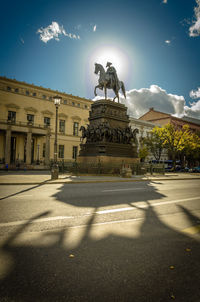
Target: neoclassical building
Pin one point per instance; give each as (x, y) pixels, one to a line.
(27, 124)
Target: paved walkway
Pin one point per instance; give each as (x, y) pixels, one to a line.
(37, 177)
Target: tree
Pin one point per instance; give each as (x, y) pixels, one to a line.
(191, 151)
(143, 152)
(178, 141)
(154, 143)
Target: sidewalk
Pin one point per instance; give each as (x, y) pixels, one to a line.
(41, 177)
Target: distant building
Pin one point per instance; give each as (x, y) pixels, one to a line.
(161, 119)
(27, 124)
(145, 127)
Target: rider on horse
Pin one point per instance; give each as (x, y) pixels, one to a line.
(111, 72)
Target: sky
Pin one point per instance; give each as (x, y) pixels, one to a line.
(153, 44)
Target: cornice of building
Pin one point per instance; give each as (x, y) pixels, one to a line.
(42, 89)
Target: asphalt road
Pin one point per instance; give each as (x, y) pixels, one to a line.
(136, 241)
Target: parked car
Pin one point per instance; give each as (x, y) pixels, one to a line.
(196, 169)
(185, 169)
(169, 169)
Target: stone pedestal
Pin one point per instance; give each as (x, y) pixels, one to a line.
(108, 137)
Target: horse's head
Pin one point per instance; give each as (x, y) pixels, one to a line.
(96, 68)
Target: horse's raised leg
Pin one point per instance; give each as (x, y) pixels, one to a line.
(95, 88)
(116, 95)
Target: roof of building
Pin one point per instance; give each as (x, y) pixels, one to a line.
(165, 115)
(191, 120)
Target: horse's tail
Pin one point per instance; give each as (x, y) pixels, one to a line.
(123, 89)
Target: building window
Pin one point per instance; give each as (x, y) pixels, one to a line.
(62, 126)
(75, 129)
(73, 104)
(44, 96)
(74, 152)
(12, 116)
(34, 93)
(30, 118)
(16, 89)
(79, 105)
(8, 88)
(61, 151)
(27, 92)
(47, 121)
(65, 102)
(86, 107)
(43, 149)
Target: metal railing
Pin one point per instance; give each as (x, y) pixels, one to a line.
(19, 123)
(114, 169)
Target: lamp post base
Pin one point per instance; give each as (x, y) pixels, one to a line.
(54, 172)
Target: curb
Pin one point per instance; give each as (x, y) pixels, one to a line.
(94, 181)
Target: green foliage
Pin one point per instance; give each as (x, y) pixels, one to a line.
(178, 141)
(143, 152)
(154, 143)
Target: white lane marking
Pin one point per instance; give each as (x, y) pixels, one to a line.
(13, 223)
(144, 206)
(103, 223)
(23, 196)
(128, 189)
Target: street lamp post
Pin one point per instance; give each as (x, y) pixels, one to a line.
(55, 168)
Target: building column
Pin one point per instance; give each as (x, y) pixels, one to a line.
(7, 147)
(28, 148)
(47, 150)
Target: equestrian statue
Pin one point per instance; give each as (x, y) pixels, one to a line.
(109, 80)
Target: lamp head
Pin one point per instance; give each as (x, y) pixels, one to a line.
(57, 100)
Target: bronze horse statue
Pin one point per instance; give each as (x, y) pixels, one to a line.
(105, 82)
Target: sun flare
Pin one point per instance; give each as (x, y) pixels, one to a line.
(116, 56)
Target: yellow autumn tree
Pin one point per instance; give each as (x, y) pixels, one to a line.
(178, 140)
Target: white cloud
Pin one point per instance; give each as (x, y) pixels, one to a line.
(53, 31)
(194, 30)
(139, 101)
(195, 94)
(95, 28)
(165, 1)
(167, 41)
(194, 110)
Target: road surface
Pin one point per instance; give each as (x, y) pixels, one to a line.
(123, 241)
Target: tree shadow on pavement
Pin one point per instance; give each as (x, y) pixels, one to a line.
(25, 190)
(152, 266)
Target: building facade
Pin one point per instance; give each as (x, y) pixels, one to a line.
(162, 119)
(27, 124)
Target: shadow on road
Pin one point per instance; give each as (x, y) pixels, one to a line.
(103, 196)
(112, 268)
(25, 190)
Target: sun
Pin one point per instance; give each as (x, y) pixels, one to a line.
(109, 53)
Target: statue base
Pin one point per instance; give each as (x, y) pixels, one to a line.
(108, 138)
(107, 160)
(109, 149)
